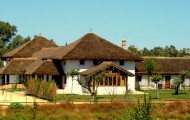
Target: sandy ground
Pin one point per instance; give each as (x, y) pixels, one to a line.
(7, 97)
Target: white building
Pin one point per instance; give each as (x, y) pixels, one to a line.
(84, 54)
(168, 67)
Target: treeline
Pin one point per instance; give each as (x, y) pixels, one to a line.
(167, 51)
(9, 40)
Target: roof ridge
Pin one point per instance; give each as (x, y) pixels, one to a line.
(29, 58)
(156, 57)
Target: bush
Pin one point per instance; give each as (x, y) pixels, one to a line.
(16, 105)
(42, 89)
(140, 112)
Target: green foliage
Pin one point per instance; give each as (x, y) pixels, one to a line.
(188, 116)
(161, 104)
(7, 31)
(150, 65)
(140, 112)
(1, 63)
(73, 72)
(16, 105)
(156, 78)
(180, 80)
(42, 89)
(134, 49)
(167, 51)
(17, 41)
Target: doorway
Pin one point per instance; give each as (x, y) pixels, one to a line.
(167, 82)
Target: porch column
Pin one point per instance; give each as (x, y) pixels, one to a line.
(45, 78)
(5, 79)
(36, 77)
(49, 77)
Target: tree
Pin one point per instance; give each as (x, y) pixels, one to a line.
(150, 68)
(145, 52)
(134, 49)
(156, 79)
(180, 80)
(7, 31)
(17, 41)
(92, 82)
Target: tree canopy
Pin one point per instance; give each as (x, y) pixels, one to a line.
(7, 31)
(167, 51)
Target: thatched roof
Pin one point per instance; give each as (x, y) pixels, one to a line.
(103, 66)
(30, 66)
(29, 48)
(91, 47)
(43, 52)
(39, 67)
(17, 66)
(166, 65)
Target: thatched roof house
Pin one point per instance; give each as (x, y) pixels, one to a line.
(166, 65)
(17, 66)
(103, 66)
(29, 66)
(29, 48)
(92, 47)
(39, 67)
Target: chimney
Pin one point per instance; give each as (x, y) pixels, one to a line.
(124, 46)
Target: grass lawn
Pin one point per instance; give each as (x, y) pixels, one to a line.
(169, 94)
(164, 95)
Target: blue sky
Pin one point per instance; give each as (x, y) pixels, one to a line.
(144, 23)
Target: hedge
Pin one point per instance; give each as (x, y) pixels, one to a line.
(42, 89)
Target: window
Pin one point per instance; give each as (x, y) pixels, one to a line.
(101, 82)
(114, 81)
(106, 81)
(110, 81)
(97, 62)
(121, 62)
(118, 81)
(139, 78)
(82, 62)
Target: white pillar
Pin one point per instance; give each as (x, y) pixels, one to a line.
(36, 77)
(45, 78)
(49, 77)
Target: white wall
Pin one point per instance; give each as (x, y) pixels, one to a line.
(75, 64)
(144, 82)
(77, 89)
(13, 78)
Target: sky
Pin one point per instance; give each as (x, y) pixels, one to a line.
(143, 23)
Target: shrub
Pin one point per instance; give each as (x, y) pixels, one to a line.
(140, 112)
(42, 89)
(16, 105)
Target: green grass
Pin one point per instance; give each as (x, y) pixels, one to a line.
(164, 95)
(88, 98)
(169, 94)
